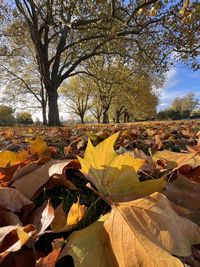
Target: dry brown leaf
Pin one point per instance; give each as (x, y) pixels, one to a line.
(14, 200)
(12, 238)
(42, 217)
(184, 194)
(60, 179)
(146, 232)
(25, 257)
(8, 218)
(192, 174)
(30, 183)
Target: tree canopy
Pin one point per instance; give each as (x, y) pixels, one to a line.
(65, 34)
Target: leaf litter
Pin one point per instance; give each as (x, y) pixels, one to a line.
(145, 179)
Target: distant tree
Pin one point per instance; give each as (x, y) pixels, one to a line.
(169, 113)
(195, 114)
(24, 118)
(185, 105)
(6, 116)
(78, 93)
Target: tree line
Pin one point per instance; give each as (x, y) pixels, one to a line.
(8, 118)
(44, 44)
(182, 108)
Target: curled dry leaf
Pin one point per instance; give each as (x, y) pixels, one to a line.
(13, 200)
(42, 217)
(12, 238)
(64, 222)
(89, 247)
(146, 232)
(8, 218)
(116, 175)
(31, 182)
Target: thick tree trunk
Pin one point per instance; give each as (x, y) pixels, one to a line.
(53, 115)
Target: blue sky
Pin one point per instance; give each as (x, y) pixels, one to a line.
(180, 81)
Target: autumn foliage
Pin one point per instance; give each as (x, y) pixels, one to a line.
(106, 200)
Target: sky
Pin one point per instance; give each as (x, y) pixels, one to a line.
(180, 81)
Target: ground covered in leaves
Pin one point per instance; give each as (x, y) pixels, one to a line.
(100, 195)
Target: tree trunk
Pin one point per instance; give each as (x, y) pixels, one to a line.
(99, 119)
(44, 103)
(105, 117)
(44, 115)
(82, 119)
(53, 115)
(117, 116)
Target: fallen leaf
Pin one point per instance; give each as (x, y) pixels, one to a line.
(25, 257)
(39, 146)
(116, 175)
(64, 222)
(42, 217)
(183, 192)
(180, 159)
(11, 158)
(147, 232)
(13, 200)
(89, 247)
(12, 238)
(8, 218)
(50, 259)
(31, 182)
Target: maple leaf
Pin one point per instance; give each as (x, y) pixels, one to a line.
(147, 232)
(116, 175)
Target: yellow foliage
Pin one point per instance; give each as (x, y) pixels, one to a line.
(116, 175)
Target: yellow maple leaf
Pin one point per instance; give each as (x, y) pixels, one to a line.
(116, 175)
(39, 146)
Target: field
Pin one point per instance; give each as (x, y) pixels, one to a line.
(107, 207)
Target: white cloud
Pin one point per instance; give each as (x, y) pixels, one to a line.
(163, 104)
(171, 78)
